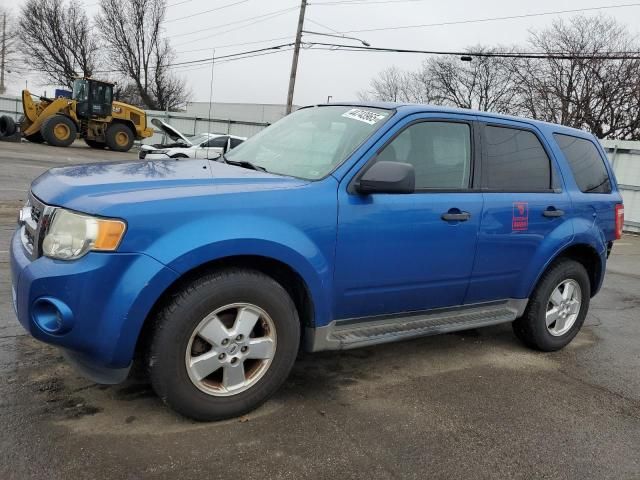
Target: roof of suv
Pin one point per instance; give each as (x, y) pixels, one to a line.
(409, 108)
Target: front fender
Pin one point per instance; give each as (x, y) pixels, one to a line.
(199, 242)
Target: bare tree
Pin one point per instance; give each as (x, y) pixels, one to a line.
(132, 31)
(58, 40)
(484, 83)
(588, 91)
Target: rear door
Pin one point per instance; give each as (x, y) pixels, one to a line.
(409, 252)
(524, 202)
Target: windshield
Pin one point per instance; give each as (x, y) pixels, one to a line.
(311, 142)
(80, 90)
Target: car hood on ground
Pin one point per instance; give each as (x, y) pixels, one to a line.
(92, 187)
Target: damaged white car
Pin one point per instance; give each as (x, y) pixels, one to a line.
(203, 145)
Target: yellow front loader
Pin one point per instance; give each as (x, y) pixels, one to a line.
(90, 114)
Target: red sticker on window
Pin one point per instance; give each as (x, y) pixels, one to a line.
(520, 219)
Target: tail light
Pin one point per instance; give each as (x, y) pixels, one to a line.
(619, 220)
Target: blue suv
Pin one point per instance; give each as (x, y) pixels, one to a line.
(339, 226)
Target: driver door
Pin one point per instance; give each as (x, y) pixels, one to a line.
(403, 252)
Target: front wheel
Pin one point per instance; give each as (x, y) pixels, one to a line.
(557, 307)
(224, 344)
(119, 137)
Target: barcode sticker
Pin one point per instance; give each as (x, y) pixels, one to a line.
(365, 116)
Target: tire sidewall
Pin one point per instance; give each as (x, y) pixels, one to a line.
(49, 125)
(167, 363)
(564, 271)
(112, 131)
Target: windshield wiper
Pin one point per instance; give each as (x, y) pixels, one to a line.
(243, 164)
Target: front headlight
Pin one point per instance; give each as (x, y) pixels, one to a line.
(71, 235)
(159, 151)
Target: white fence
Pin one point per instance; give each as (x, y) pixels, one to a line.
(187, 124)
(625, 159)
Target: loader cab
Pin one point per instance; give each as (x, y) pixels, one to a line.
(93, 98)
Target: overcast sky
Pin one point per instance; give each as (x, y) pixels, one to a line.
(264, 79)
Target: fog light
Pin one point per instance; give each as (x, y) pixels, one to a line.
(52, 316)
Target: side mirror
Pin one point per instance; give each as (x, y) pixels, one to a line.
(388, 177)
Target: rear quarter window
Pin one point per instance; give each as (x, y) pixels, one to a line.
(586, 163)
(515, 160)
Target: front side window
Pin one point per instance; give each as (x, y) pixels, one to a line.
(440, 153)
(586, 164)
(311, 142)
(515, 161)
(80, 92)
(218, 142)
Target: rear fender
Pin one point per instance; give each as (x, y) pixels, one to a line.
(583, 232)
(553, 243)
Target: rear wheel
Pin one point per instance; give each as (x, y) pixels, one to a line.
(557, 308)
(224, 344)
(119, 137)
(95, 143)
(59, 131)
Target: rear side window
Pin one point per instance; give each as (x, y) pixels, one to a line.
(515, 161)
(586, 163)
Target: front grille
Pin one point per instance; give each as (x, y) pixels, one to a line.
(34, 226)
(36, 213)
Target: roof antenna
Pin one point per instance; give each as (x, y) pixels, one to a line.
(213, 55)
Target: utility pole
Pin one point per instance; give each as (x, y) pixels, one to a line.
(296, 53)
(3, 52)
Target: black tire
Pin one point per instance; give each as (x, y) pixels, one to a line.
(59, 131)
(119, 137)
(177, 321)
(179, 155)
(531, 328)
(95, 144)
(7, 126)
(35, 138)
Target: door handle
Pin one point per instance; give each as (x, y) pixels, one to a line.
(553, 212)
(456, 217)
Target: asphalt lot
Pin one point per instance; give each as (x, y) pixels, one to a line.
(476, 404)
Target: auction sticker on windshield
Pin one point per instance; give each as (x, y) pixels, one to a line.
(365, 116)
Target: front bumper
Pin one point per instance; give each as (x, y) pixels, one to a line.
(109, 295)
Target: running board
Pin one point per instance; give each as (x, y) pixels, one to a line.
(361, 332)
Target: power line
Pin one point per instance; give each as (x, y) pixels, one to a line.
(211, 27)
(492, 19)
(529, 55)
(234, 44)
(218, 62)
(206, 11)
(178, 3)
(234, 29)
(358, 2)
(322, 25)
(202, 61)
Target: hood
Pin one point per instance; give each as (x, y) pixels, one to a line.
(93, 187)
(171, 132)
